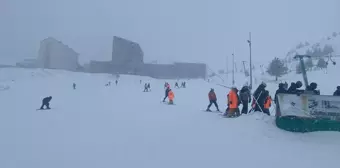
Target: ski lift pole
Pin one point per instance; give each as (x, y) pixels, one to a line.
(303, 69)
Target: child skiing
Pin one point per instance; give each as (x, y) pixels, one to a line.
(212, 99)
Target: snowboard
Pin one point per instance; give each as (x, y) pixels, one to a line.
(43, 109)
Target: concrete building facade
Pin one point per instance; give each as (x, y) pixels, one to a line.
(53, 54)
(128, 58)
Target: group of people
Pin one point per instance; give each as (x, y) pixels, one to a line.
(182, 85)
(147, 87)
(261, 100)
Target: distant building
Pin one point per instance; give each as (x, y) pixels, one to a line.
(53, 54)
(127, 56)
(27, 63)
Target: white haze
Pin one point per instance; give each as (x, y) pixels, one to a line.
(176, 30)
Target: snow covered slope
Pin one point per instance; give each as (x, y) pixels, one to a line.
(121, 126)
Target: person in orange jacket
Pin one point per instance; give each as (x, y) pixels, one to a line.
(171, 96)
(233, 103)
(212, 100)
(267, 103)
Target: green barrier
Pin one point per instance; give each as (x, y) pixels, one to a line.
(305, 124)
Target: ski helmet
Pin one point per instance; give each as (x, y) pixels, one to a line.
(298, 84)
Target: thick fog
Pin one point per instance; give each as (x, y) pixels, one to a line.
(167, 30)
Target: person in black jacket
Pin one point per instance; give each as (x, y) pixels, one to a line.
(292, 88)
(46, 102)
(245, 97)
(278, 91)
(311, 89)
(337, 92)
(166, 93)
(258, 97)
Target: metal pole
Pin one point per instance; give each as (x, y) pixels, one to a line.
(233, 70)
(250, 63)
(227, 67)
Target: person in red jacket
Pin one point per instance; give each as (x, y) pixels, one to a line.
(212, 99)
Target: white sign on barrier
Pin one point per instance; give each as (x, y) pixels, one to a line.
(314, 106)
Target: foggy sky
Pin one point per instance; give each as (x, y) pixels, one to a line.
(167, 30)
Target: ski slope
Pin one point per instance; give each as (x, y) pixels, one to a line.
(121, 126)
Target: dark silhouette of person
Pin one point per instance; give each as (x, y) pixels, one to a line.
(46, 102)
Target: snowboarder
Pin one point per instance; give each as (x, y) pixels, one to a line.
(46, 102)
(166, 92)
(233, 103)
(171, 96)
(176, 85)
(267, 103)
(258, 97)
(245, 97)
(74, 86)
(337, 92)
(212, 99)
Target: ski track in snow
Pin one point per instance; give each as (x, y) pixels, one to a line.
(121, 126)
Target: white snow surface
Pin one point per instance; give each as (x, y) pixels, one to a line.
(120, 126)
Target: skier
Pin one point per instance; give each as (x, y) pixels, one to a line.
(46, 102)
(337, 92)
(176, 85)
(258, 97)
(166, 92)
(171, 96)
(212, 99)
(298, 85)
(145, 87)
(74, 86)
(149, 87)
(278, 91)
(233, 103)
(116, 82)
(311, 89)
(267, 103)
(245, 97)
(184, 83)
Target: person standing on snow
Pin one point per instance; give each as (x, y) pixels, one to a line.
(212, 99)
(171, 96)
(258, 97)
(74, 86)
(116, 82)
(149, 87)
(176, 85)
(233, 103)
(145, 87)
(267, 103)
(166, 93)
(337, 92)
(245, 97)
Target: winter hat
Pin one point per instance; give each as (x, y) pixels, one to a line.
(298, 84)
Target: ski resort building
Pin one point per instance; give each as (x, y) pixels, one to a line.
(53, 54)
(128, 58)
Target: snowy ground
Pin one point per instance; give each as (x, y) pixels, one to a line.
(121, 126)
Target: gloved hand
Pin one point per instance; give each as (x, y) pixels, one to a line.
(230, 102)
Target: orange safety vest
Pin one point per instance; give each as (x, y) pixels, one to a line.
(171, 95)
(232, 100)
(268, 102)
